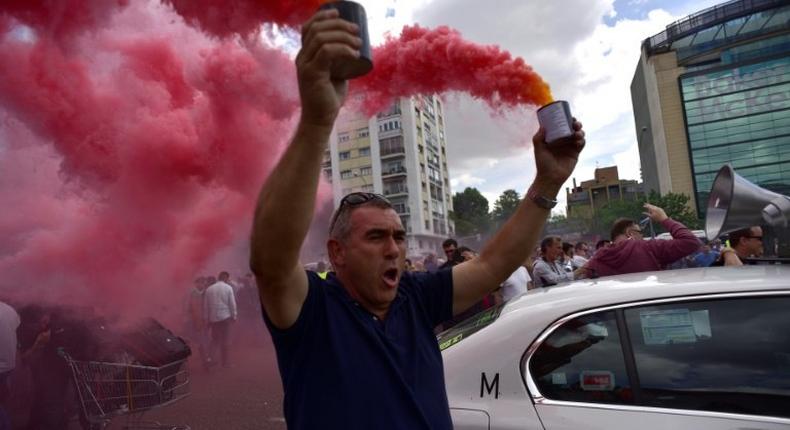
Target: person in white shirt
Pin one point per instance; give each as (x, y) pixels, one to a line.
(548, 270)
(517, 283)
(9, 321)
(219, 303)
(581, 254)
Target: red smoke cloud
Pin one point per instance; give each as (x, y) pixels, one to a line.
(61, 19)
(223, 18)
(131, 158)
(424, 61)
(132, 146)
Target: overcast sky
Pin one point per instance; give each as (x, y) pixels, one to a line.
(587, 50)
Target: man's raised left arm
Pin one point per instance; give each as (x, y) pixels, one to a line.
(513, 242)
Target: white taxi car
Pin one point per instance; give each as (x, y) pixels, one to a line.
(684, 349)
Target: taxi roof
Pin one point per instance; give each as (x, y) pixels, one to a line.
(524, 317)
(612, 290)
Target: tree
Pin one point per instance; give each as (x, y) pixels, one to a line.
(674, 204)
(606, 216)
(470, 212)
(505, 206)
(676, 207)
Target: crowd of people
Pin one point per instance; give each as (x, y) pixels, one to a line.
(555, 261)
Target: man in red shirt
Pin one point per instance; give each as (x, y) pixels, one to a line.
(630, 253)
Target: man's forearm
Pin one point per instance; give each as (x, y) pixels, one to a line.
(286, 203)
(516, 239)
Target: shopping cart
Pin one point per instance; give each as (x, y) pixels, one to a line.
(108, 390)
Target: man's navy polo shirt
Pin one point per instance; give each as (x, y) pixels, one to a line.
(343, 368)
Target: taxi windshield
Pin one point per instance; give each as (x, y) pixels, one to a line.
(468, 327)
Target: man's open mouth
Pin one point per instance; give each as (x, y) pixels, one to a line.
(391, 277)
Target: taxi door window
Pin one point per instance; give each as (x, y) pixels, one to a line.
(583, 361)
(727, 355)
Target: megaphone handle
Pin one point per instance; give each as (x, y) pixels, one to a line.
(777, 212)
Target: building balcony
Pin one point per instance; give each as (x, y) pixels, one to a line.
(392, 111)
(396, 171)
(392, 152)
(390, 133)
(396, 191)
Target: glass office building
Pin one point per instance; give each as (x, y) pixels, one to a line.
(716, 86)
(739, 112)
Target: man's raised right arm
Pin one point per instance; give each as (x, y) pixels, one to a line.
(286, 202)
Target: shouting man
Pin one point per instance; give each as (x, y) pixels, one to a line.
(357, 350)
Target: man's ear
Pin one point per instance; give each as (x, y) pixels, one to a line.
(337, 254)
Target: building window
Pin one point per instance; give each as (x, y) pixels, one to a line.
(396, 187)
(392, 168)
(390, 125)
(343, 137)
(363, 132)
(346, 174)
(434, 174)
(400, 208)
(366, 171)
(344, 155)
(405, 223)
(364, 152)
(391, 145)
(428, 225)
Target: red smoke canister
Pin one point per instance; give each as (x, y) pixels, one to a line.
(353, 12)
(556, 119)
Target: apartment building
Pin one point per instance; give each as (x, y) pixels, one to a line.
(400, 153)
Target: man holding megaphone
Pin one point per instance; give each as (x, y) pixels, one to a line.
(744, 244)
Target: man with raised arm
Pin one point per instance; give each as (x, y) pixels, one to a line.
(357, 350)
(630, 253)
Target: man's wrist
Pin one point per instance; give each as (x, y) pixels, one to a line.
(545, 188)
(312, 126)
(541, 200)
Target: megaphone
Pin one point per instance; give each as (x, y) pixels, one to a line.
(736, 203)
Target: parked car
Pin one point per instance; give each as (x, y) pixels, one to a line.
(686, 349)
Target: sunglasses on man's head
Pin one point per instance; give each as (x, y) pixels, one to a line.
(356, 199)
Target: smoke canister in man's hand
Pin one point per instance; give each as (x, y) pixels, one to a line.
(349, 69)
(556, 120)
